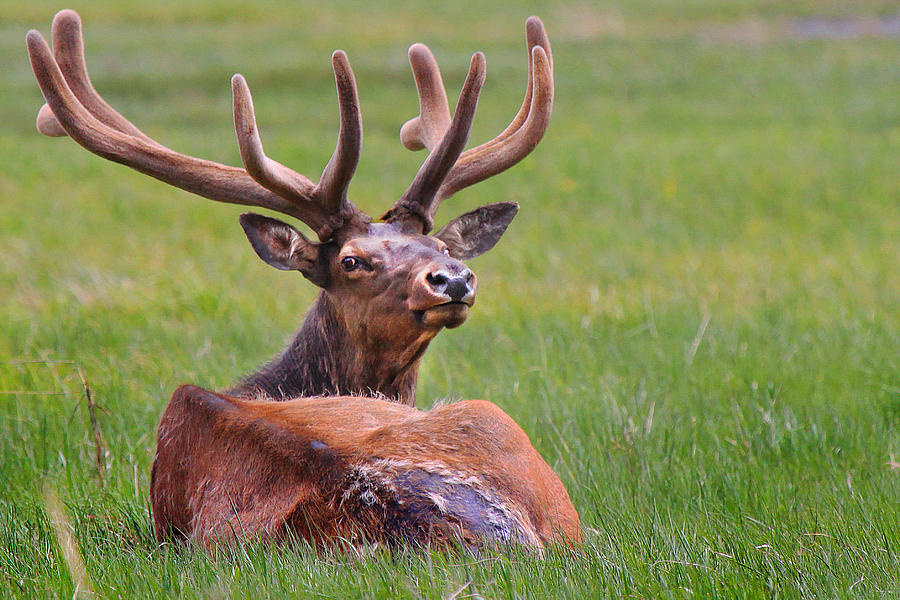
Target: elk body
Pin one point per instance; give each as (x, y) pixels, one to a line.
(358, 469)
(358, 460)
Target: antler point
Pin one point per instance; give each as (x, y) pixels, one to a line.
(419, 51)
(48, 124)
(67, 13)
(33, 36)
(411, 133)
(479, 65)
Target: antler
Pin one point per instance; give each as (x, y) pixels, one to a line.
(428, 130)
(74, 108)
(423, 190)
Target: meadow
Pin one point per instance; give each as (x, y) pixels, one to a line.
(695, 315)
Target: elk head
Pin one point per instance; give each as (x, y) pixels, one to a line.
(390, 285)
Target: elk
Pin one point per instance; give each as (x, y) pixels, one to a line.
(324, 441)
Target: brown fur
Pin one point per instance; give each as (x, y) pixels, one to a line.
(360, 469)
(350, 467)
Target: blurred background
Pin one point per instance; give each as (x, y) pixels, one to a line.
(695, 315)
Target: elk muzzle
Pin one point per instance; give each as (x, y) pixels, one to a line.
(441, 295)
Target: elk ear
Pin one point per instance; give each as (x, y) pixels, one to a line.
(474, 233)
(280, 245)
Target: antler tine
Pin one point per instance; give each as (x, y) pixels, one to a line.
(492, 157)
(74, 108)
(426, 130)
(207, 178)
(527, 127)
(340, 168)
(433, 100)
(419, 198)
(68, 50)
(269, 173)
(535, 35)
(329, 196)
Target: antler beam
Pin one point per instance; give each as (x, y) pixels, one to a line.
(74, 108)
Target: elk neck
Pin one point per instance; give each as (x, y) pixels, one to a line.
(328, 357)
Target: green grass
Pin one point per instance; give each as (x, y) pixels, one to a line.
(695, 317)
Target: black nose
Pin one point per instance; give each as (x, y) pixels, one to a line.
(455, 285)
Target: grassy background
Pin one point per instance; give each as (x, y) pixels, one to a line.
(695, 317)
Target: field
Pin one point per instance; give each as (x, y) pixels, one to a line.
(695, 316)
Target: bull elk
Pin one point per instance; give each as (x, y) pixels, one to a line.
(324, 441)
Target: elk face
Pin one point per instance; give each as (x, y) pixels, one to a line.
(388, 285)
(406, 279)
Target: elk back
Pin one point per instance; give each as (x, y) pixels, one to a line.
(361, 469)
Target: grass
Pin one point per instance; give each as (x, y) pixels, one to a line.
(695, 317)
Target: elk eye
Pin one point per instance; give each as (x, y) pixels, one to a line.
(350, 263)
(446, 250)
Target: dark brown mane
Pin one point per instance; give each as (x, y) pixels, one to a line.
(320, 362)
